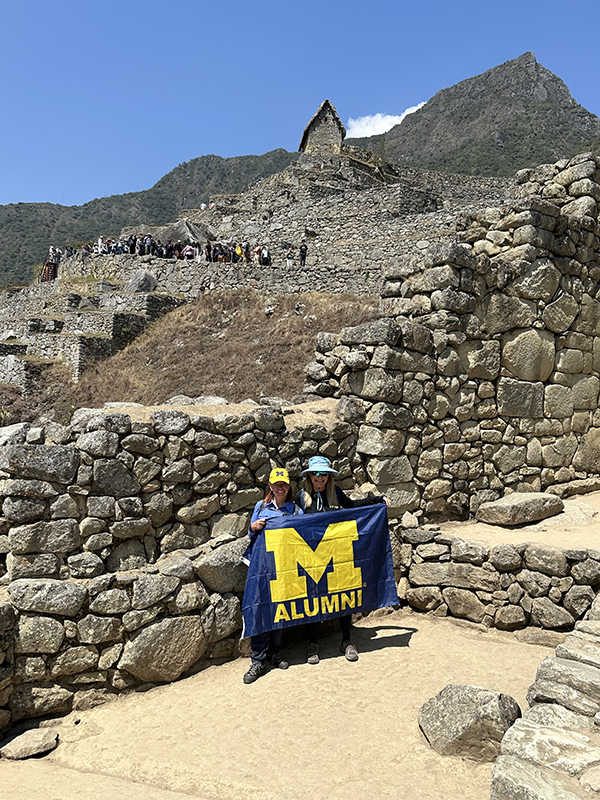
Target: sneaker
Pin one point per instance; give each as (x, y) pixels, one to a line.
(257, 668)
(279, 661)
(312, 656)
(349, 650)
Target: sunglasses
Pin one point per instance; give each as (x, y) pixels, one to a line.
(319, 474)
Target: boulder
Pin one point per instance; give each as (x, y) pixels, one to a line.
(519, 507)
(141, 281)
(468, 721)
(35, 742)
(165, 649)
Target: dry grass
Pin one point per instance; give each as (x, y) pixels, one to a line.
(226, 343)
(12, 405)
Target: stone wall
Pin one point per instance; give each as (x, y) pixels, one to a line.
(484, 372)
(122, 537)
(122, 542)
(352, 228)
(503, 586)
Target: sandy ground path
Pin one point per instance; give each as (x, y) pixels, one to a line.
(326, 732)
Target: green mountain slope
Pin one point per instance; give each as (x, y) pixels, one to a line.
(515, 115)
(28, 229)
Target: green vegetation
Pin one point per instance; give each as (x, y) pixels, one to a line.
(28, 229)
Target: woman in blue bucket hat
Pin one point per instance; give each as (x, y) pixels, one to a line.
(321, 494)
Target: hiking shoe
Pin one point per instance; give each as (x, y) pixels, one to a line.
(279, 661)
(349, 650)
(312, 655)
(257, 668)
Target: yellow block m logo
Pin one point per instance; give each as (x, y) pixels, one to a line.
(291, 551)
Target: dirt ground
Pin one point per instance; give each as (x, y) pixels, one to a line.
(325, 732)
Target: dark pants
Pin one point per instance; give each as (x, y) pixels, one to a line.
(265, 645)
(345, 622)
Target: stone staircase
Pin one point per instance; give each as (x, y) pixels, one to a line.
(553, 752)
(73, 321)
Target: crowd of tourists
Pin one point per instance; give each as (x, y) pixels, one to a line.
(146, 245)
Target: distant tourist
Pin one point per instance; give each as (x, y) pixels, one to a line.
(303, 250)
(289, 259)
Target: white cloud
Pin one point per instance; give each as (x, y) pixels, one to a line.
(377, 123)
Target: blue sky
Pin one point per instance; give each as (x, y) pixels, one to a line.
(102, 97)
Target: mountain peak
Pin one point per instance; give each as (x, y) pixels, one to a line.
(517, 114)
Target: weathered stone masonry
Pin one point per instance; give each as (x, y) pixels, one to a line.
(487, 359)
(123, 538)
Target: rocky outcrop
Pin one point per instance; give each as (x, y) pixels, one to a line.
(468, 721)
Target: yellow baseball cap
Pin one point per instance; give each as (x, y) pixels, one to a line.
(279, 474)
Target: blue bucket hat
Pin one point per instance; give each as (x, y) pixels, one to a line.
(319, 464)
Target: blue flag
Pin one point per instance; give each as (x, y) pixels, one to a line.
(313, 567)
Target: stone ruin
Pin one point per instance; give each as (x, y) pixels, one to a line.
(483, 374)
(122, 535)
(324, 133)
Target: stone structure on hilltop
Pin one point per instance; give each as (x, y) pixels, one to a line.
(324, 133)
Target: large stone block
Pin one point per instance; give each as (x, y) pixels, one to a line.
(558, 401)
(150, 589)
(559, 315)
(480, 359)
(390, 470)
(587, 456)
(546, 559)
(48, 596)
(462, 576)
(45, 462)
(99, 443)
(502, 313)
(468, 721)
(165, 649)
(377, 384)
(539, 281)
(519, 507)
(463, 603)
(59, 536)
(529, 354)
(377, 442)
(520, 398)
(28, 701)
(381, 331)
(38, 635)
(518, 779)
(585, 391)
(222, 570)
(588, 321)
(547, 614)
(111, 477)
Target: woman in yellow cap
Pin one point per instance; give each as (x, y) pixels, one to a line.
(278, 501)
